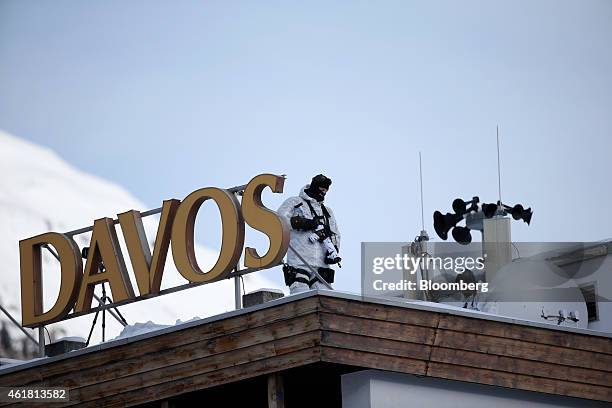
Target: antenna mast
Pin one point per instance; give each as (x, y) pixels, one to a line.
(498, 168)
(421, 184)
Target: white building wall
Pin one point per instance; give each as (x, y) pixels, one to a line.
(598, 271)
(383, 389)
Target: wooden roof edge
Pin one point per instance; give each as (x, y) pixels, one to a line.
(404, 303)
(455, 311)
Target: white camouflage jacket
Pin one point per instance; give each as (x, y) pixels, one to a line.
(313, 253)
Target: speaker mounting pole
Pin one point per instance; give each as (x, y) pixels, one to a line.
(498, 167)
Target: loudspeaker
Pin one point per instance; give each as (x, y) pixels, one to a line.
(460, 207)
(519, 213)
(489, 210)
(443, 223)
(462, 235)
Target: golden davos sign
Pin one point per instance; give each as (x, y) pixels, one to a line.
(176, 228)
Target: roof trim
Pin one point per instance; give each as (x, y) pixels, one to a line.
(405, 303)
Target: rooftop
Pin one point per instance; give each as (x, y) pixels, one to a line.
(345, 332)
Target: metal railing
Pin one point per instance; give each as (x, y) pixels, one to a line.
(16, 323)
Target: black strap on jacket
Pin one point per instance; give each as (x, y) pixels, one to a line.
(325, 217)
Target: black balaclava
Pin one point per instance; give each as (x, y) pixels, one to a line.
(318, 181)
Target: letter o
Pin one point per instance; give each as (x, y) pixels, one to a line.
(182, 239)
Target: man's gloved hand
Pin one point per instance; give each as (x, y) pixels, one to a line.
(303, 223)
(317, 236)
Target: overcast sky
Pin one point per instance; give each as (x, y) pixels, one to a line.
(167, 97)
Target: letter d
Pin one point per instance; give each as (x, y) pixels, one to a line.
(31, 278)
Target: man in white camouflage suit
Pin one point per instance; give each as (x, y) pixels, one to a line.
(314, 235)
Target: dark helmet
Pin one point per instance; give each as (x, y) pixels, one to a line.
(317, 182)
(320, 181)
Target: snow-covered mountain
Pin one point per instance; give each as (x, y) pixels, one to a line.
(39, 192)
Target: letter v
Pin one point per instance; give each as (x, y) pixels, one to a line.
(148, 270)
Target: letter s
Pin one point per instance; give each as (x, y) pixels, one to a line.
(262, 219)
